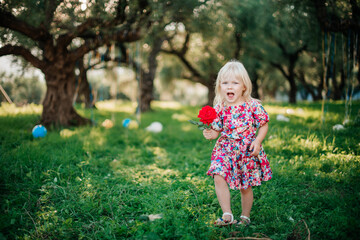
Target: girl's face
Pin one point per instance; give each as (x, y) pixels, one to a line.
(232, 90)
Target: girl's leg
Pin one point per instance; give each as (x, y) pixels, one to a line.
(247, 199)
(223, 195)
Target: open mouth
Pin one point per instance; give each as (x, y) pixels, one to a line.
(230, 94)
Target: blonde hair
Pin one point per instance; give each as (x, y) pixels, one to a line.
(235, 69)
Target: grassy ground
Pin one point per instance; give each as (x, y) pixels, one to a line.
(97, 183)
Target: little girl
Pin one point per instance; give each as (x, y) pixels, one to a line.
(238, 158)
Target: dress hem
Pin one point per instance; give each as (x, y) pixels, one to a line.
(238, 188)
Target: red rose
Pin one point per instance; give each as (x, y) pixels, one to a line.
(207, 115)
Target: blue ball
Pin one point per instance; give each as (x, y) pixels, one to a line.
(126, 122)
(39, 131)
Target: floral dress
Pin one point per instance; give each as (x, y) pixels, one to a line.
(231, 155)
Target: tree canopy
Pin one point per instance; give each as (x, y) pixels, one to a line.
(54, 35)
(303, 47)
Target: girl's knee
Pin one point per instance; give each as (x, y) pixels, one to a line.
(218, 179)
(245, 191)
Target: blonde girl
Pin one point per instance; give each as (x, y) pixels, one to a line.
(238, 160)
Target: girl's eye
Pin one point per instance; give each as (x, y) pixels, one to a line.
(224, 83)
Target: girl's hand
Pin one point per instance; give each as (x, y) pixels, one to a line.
(255, 148)
(210, 134)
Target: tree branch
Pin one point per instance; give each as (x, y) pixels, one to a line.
(8, 20)
(196, 76)
(185, 45)
(303, 48)
(92, 44)
(307, 86)
(127, 32)
(281, 68)
(291, 56)
(66, 39)
(83, 29)
(23, 52)
(50, 8)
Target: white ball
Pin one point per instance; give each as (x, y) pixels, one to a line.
(338, 127)
(155, 127)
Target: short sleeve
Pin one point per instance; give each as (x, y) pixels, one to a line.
(260, 115)
(217, 124)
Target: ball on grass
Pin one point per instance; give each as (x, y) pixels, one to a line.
(133, 124)
(126, 122)
(39, 131)
(155, 127)
(107, 123)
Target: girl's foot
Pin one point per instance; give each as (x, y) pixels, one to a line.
(244, 221)
(224, 221)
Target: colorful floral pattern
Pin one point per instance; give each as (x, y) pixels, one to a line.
(231, 155)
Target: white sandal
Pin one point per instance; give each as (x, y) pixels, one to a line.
(244, 221)
(221, 222)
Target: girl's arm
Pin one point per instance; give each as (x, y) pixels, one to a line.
(255, 145)
(210, 134)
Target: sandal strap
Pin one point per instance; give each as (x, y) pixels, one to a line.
(247, 219)
(229, 214)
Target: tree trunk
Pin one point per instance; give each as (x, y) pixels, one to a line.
(293, 90)
(337, 90)
(255, 86)
(58, 61)
(146, 92)
(58, 103)
(83, 90)
(290, 73)
(211, 95)
(211, 89)
(310, 88)
(147, 80)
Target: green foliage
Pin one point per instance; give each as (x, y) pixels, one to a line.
(170, 70)
(97, 183)
(23, 90)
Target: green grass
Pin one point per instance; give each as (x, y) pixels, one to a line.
(97, 183)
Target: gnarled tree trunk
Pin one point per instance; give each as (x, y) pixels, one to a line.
(57, 53)
(146, 92)
(58, 105)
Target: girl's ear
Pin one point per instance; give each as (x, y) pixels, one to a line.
(243, 91)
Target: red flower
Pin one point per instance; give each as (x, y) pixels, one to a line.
(207, 115)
